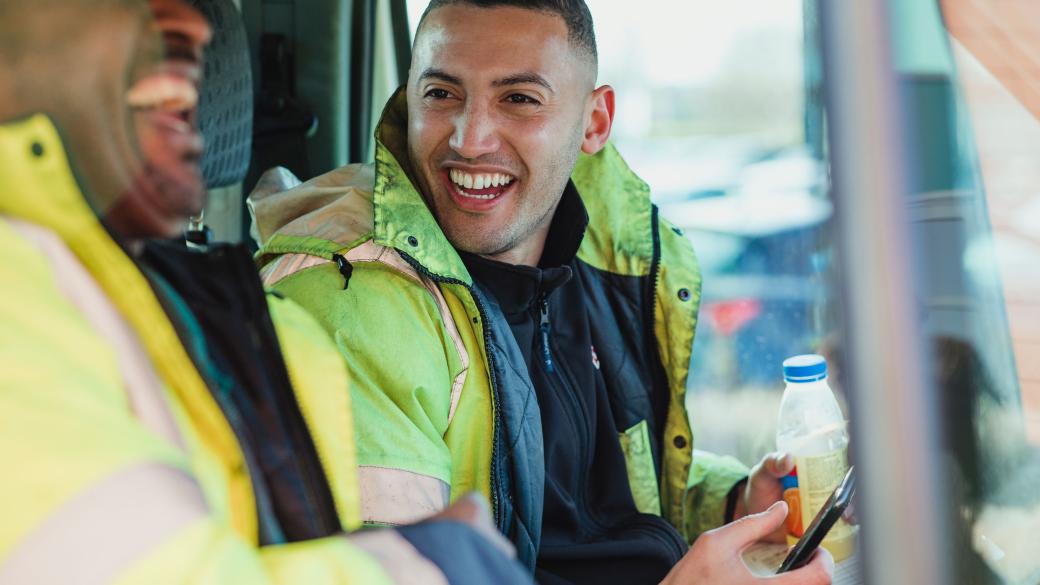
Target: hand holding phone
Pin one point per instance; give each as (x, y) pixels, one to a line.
(719, 556)
(830, 513)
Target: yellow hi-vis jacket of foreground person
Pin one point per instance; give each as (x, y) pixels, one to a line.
(120, 465)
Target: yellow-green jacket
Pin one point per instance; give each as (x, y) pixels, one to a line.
(444, 406)
(120, 465)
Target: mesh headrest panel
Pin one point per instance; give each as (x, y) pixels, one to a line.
(226, 100)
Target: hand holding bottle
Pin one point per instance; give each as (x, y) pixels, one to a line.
(764, 488)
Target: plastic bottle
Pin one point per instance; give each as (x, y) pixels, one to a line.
(811, 428)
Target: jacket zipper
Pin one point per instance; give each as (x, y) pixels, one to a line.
(658, 376)
(565, 385)
(655, 276)
(546, 329)
(496, 484)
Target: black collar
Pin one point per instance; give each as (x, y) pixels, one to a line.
(566, 230)
(518, 287)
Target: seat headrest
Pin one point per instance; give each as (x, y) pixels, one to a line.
(226, 97)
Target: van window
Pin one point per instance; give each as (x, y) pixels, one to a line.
(992, 366)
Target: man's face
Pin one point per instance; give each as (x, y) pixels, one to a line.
(498, 105)
(168, 187)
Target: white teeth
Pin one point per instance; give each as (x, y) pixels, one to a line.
(165, 92)
(482, 181)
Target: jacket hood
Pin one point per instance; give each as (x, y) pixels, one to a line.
(346, 207)
(320, 217)
(350, 205)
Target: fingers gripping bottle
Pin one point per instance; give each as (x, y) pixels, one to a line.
(811, 428)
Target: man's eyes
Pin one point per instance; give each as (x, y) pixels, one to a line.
(438, 94)
(521, 99)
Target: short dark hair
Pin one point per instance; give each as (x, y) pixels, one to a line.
(575, 13)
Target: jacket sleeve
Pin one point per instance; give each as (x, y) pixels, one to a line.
(402, 365)
(319, 381)
(711, 479)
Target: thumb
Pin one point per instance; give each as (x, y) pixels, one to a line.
(778, 464)
(753, 528)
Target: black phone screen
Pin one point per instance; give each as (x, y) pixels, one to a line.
(821, 524)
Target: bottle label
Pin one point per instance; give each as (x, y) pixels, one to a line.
(817, 478)
(794, 504)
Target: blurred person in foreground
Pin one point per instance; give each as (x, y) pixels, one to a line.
(511, 305)
(142, 454)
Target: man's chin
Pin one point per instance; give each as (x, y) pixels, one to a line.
(480, 244)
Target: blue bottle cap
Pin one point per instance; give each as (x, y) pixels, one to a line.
(805, 368)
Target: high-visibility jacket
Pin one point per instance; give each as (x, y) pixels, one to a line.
(121, 466)
(443, 398)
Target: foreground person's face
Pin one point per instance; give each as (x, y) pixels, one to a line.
(168, 187)
(498, 102)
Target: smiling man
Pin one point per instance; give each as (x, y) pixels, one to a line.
(516, 317)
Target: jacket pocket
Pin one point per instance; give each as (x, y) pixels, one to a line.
(639, 461)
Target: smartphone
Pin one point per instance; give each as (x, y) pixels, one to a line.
(825, 519)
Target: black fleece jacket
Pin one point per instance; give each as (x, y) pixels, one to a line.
(591, 531)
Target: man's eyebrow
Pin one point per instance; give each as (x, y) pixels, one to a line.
(431, 73)
(522, 78)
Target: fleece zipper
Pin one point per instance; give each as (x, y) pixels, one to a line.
(564, 384)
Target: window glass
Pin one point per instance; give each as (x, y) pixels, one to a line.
(988, 354)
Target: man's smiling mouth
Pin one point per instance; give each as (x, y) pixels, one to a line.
(480, 186)
(165, 92)
(170, 98)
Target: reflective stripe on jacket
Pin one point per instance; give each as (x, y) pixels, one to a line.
(443, 399)
(121, 466)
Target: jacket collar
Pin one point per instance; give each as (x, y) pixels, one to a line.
(33, 163)
(402, 219)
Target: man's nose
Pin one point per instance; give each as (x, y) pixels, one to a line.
(475, 133)
(177, 18)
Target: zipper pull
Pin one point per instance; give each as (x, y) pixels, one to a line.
(345, 268)
(545, 329)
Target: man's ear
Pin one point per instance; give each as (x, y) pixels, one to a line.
(601, 118)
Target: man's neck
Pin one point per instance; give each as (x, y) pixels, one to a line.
(525, 253)
(556, 240)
